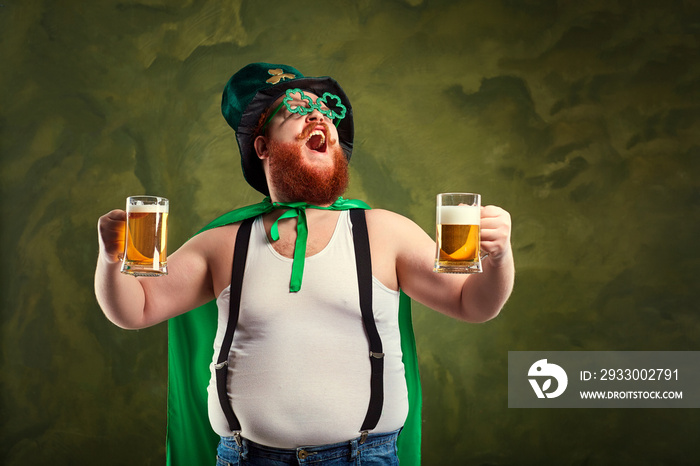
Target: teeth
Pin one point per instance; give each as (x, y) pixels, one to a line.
(321, 134)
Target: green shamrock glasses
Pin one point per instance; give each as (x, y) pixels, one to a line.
(301, 104)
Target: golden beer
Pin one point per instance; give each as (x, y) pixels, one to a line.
(458, 233)
(458, 242)
(146, 237)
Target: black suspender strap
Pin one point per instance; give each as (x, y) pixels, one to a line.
(240, 253)
(363, 260)
(364, 279)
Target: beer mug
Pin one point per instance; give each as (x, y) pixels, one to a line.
(146, 237)
(458, 238)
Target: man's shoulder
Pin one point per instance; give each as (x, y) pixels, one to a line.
(214, 238)
(391, 224)
(385, 217)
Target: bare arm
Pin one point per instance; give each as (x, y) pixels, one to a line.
(485, 294)
(469, 297)
(133, 303)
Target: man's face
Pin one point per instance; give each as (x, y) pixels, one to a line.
(306, 162)
(298, 126)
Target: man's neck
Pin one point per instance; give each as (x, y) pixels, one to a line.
(274, 198)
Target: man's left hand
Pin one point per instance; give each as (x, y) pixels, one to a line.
(495, 232)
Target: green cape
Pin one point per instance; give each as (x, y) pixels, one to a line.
(190, 440)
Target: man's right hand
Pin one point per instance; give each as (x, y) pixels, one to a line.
(110, 229)
(139, 302)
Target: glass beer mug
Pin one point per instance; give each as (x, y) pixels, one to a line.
(458, 237)
(146, 237)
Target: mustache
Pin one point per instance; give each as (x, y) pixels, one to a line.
(313, 126)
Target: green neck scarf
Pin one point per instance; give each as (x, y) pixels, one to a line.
(298, 210)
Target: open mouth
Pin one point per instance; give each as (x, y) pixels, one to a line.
(317, 141)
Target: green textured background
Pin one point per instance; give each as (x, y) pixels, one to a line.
(582, 118)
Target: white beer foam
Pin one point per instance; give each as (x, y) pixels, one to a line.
(152, 208)
(459, 215)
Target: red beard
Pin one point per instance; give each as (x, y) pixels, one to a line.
(294, 180)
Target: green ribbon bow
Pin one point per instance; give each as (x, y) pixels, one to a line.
(298, 210)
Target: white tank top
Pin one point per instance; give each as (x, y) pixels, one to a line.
(299, 370)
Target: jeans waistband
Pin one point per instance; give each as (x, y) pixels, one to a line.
(312, 454)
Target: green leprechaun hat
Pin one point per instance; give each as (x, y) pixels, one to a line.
(253, 89)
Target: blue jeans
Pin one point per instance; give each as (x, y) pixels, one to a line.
(377, 450)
